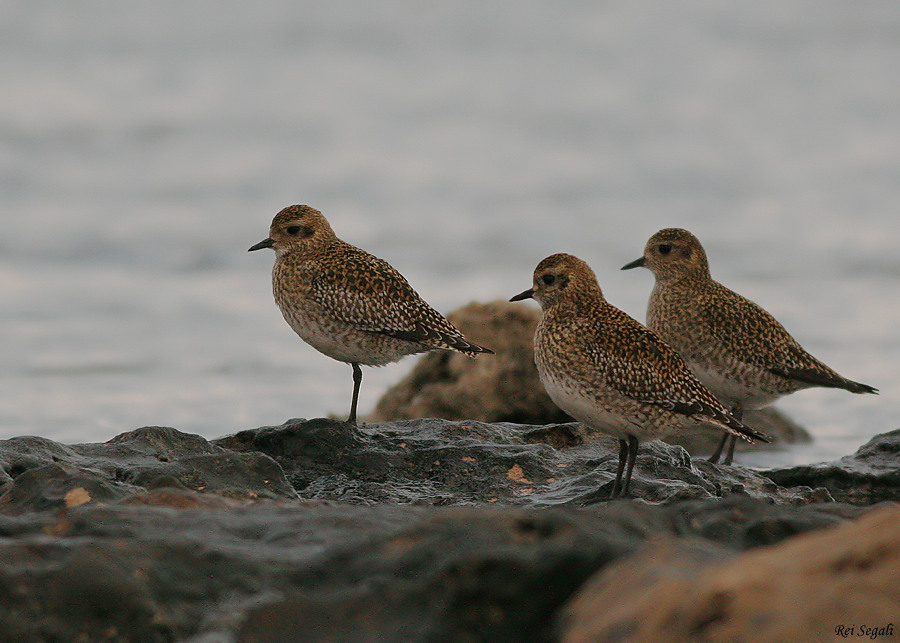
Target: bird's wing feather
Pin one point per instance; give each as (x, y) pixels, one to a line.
(756, 338)
(368, 293)
(639, 365)
(752, 334)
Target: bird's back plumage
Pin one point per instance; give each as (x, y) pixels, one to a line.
(368, 294)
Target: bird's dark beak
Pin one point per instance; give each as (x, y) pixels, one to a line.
(528, 294)
(265, 243)
(637, 263)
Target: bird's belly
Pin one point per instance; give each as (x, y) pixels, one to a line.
(747, 386)
(346, 343)
(608, 412)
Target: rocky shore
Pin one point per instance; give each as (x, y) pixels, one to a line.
(494, 527)
(427, 530)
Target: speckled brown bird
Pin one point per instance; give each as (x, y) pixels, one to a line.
(736, 348)
(611, 373)
(348, 304)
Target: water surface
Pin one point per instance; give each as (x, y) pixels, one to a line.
(144, 148)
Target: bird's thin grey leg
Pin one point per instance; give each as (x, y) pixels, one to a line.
(357, 380)
(729, 452)
(632, 448)
(737, 412)
(729, 439)
(623, 457)
(714, 458)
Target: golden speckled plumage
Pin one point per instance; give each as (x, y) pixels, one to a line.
(347, 303)
(735, 347)
(610, 372)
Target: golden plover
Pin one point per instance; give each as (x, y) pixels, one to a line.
(611, 373)
(737, 349)
(348, 304)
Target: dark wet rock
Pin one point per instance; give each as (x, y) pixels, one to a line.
(41, 474)
(505, 387)
(870, 475)
(803, 589)
(301, 570)
(422, 530)
(500, 575)
(53, 486)
(441, 462)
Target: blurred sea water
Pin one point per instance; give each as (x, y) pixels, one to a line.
(145, 147)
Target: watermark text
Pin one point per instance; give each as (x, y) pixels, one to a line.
(863, 631)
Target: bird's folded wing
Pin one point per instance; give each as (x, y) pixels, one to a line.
(821, 377)
(639, 365)
(370, 295)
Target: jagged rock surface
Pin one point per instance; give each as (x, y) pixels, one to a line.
(42, 474)
(443, 462)
(314, 530)
(870, 475)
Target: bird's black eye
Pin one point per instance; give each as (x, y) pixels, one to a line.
(665, 249)
(548, 279)
(293, 230)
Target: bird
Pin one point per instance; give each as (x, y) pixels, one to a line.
(610, 372)
(734, 346)
(347, 303)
